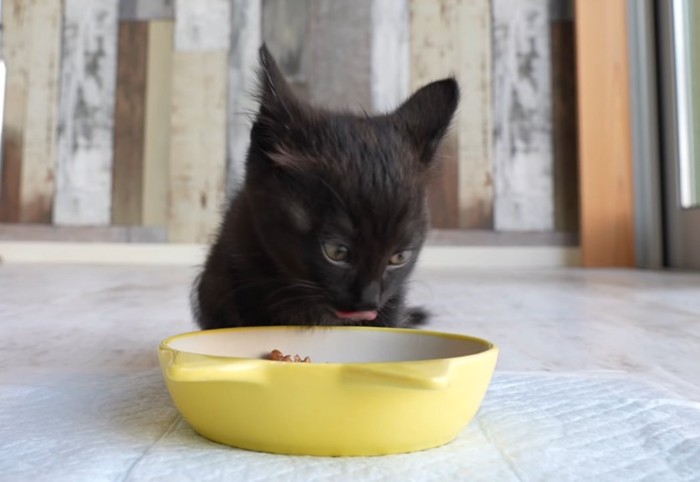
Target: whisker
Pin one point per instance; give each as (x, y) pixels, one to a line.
(295, 284)
(284, 301)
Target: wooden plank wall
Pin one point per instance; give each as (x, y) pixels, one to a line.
(522, 157)
(142, 122)
(285, 31)
(390, 54)
(605, 150)
(564, 116)
(156, 150)
(340, 43)
(198, 119)
(31, 48)
(146, 10)
(150, 124)
(451, 37)
(130, 116)
(246, 25)
(86, 113)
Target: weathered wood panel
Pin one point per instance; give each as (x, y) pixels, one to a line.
(14, 45)
(242, 77)
(86, 113)
(129, 124)
(285, 30)
(202, 25)
(197, 167)
(32, 42)
(524, 197)
(443, 192)
(340, 59)
(474, 117)
(485, 237)
(157, 123)
(41, 118)
(145, 10)
(197, 145)
(391, 50)
(605, 149)
(89, 234)
(452, 37)
(564, 115)
(11, 166)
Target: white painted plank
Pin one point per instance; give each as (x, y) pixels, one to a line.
(524, 196)
(86, 112)
(242, 78)
(202, 25)
(391, 48)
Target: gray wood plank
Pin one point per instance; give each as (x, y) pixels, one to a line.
(86, 112)
(561, 10)
(390, 55)
(146, 10)
(340, 62)
(284, 31)
(242, 77)
(522, 109)
(202, 25)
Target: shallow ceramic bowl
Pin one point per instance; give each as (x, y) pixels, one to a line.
(368, 391)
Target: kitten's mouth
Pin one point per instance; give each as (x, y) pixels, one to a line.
(356, 315)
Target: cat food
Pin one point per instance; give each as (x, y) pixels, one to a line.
(277, 355)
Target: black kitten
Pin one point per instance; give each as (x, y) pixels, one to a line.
(332, 214)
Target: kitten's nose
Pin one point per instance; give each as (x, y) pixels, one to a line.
(368, 298)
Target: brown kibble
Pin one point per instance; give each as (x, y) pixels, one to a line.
(277, 355)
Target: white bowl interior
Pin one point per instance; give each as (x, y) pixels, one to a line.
(329, 345)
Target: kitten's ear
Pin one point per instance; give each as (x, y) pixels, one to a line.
(277, 102)
(426, 115)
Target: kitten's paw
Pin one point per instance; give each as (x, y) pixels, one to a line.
(415, 317)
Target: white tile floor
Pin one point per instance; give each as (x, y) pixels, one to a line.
(559, 320)
(82, 398)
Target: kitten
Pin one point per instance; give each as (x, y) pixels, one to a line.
(331, 216)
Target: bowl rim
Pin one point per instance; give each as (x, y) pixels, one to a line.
(486, 344)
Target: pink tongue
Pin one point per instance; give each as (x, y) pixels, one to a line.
(356, 315)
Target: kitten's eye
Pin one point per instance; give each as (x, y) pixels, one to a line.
(400, 258)
(335, 253)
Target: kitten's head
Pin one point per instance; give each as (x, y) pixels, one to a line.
(339, 199)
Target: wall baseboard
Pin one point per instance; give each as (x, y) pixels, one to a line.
(193, 254)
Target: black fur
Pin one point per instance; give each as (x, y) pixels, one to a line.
(314, 176)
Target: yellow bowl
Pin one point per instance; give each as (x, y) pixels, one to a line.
(368, 391)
